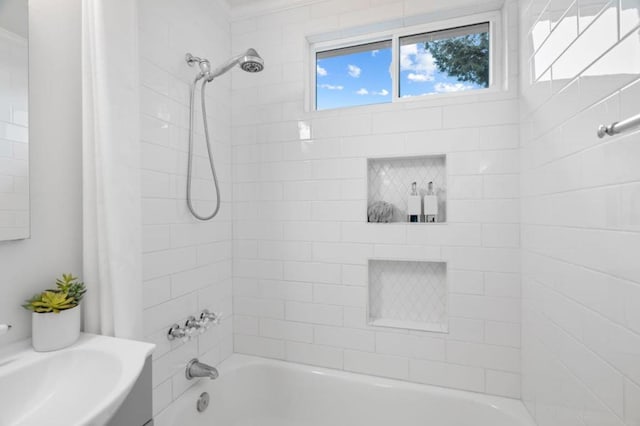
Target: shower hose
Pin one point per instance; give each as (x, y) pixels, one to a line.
(191, 150)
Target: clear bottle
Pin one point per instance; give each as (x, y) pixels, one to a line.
(414, 204)
(431, 204)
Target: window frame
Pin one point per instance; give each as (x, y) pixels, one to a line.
(497, 66)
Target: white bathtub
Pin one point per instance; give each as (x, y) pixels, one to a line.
(259, 392)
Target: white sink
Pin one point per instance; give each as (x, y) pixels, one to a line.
(83, 384)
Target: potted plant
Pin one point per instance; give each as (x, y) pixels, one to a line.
(56, 314)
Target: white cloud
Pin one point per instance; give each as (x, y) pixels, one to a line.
(374, 52)
(354, 71)
(451, 87)
(419, 61)
(321, 71)
(419, 78)
(364, 92)
(331, 87)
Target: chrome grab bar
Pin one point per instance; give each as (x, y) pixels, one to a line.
(618, 126)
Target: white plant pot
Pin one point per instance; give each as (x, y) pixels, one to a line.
(51, 331)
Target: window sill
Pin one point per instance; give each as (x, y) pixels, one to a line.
(426, 101)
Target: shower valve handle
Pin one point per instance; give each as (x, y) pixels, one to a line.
(176, 332)
(210, 317)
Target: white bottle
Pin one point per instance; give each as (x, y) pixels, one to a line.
(431, 204)
(414, 204)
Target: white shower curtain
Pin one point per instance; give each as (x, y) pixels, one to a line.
(111, 174)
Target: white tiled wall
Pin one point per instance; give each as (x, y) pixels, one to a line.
(580, 212)
(187, 264)
(301, 243)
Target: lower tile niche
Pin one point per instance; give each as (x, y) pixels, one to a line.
(408, 294)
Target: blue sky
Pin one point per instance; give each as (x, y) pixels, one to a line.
(355, 79)
(363, 78)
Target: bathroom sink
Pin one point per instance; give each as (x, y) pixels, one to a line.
(83, 384)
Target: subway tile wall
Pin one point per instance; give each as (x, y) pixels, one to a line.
(580, 212)
(186, 264)
(301, 243)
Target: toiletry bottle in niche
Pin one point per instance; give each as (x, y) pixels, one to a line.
(431, 204)
(414, 204)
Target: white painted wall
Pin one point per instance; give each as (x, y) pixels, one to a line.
(29, 266)
(186, 263)
(301, 243)
(580, 212)
(13, 16)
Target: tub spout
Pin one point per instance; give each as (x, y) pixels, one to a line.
(197, 369)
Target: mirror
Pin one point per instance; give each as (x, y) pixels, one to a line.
(14, 120)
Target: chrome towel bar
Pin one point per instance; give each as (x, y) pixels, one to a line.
(618, 126)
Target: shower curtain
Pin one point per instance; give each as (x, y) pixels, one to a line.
(111, 174)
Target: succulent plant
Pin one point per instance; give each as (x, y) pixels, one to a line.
(67, 295)
(70, 285)
(50, 301)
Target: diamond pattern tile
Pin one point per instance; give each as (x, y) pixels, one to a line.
(409, 293)
(389, 179)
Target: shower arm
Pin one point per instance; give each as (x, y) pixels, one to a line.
(203, 63)
(192, 60)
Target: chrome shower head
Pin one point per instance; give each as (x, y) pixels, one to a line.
(251, 61)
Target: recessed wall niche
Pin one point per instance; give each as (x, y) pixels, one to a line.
(392, 196)
(408, 294)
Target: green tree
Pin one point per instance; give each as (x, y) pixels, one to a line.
(464, 57)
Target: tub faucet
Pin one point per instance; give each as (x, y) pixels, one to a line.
(5, 328)
(197, 369)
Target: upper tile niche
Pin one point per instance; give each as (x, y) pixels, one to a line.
(390, 180)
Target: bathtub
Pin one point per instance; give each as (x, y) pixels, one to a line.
(260, 392)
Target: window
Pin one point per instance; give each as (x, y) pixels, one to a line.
(352, 76)
(456, 56)
(445, 61)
